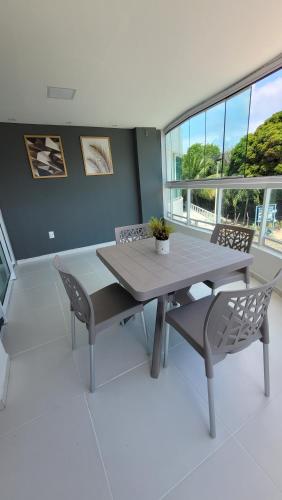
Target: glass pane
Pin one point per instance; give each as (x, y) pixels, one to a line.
(185, 140)
(202, 213)
(214, 140)
(168, 148)
(236, 128)
(167, 193)
(241, 207)
(4, 275)
(273, 233)
(194, 160)
(177, 143)
(264, 149)
(179, 204)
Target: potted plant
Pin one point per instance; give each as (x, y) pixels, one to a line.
(161, 231)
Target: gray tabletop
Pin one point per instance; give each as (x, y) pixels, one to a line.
(146, 275)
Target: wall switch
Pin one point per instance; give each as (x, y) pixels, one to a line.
(51, 235)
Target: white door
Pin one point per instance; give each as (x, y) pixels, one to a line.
(7, 275)
(7, 262)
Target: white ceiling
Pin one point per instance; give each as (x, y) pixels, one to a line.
(133, 62)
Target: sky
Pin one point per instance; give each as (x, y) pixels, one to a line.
(266, 99)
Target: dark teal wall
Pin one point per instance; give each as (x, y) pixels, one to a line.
(82, 210)
(148, 147)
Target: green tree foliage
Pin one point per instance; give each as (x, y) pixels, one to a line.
(200, 161)
(261, 153)
(237, 203)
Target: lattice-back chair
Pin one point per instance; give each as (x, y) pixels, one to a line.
(136, 232)
(235, 237)
(225, 324)
(128, 234)
(97, 311)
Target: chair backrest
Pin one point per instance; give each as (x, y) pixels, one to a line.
(126, 234)
(238, 318)
(79, 299)
(236, 237)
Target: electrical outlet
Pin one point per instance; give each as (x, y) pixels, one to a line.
(51, 235)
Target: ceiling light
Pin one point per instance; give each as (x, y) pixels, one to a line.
(60, 93)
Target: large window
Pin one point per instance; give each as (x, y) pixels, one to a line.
(259, 209)
(215, 118)
(241, 207)
(202, 208)
(273, 228)
(236, 129)
(177, 204)
(241, 136)
(220, 155)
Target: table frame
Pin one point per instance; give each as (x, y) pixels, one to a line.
(142, 255)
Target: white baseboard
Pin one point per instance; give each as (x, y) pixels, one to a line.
(66, 252)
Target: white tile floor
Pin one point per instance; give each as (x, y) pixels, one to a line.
(135, 438)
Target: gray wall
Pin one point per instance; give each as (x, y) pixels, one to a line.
(148, 146)
(82, 210)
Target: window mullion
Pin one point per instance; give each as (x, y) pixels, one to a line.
(218, 207)
(188, 206)
(266, 199)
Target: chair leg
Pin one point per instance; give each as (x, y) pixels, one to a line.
(145, 332)
(92, 368)
(247, 277)
(211, 407)
(166, 342)
(166, 345)
(73, 342)
(266, 370)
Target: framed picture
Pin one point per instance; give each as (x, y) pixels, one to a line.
(97, 157)
(46, 156)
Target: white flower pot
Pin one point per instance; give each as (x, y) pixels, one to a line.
(162, 247)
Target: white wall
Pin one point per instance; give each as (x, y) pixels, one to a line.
(266, 263)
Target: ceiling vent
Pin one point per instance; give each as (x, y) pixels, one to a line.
(60, 93)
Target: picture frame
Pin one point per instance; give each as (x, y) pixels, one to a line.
(97, 155)
(46, 156)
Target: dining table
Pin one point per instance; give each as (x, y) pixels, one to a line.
(148, 275)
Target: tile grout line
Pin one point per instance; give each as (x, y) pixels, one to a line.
(116, 377)
(202, 398)
(208, 457)
(99, 447)
(218, 415)
(32, 287)
(257, 464)
(232, 435)
(41, 415)
(14, 356)
(38, 417)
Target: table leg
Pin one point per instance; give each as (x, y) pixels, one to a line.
(159, 335)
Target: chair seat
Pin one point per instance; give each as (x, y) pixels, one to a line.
(112, 304)
(189, 321)
(228, 278)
